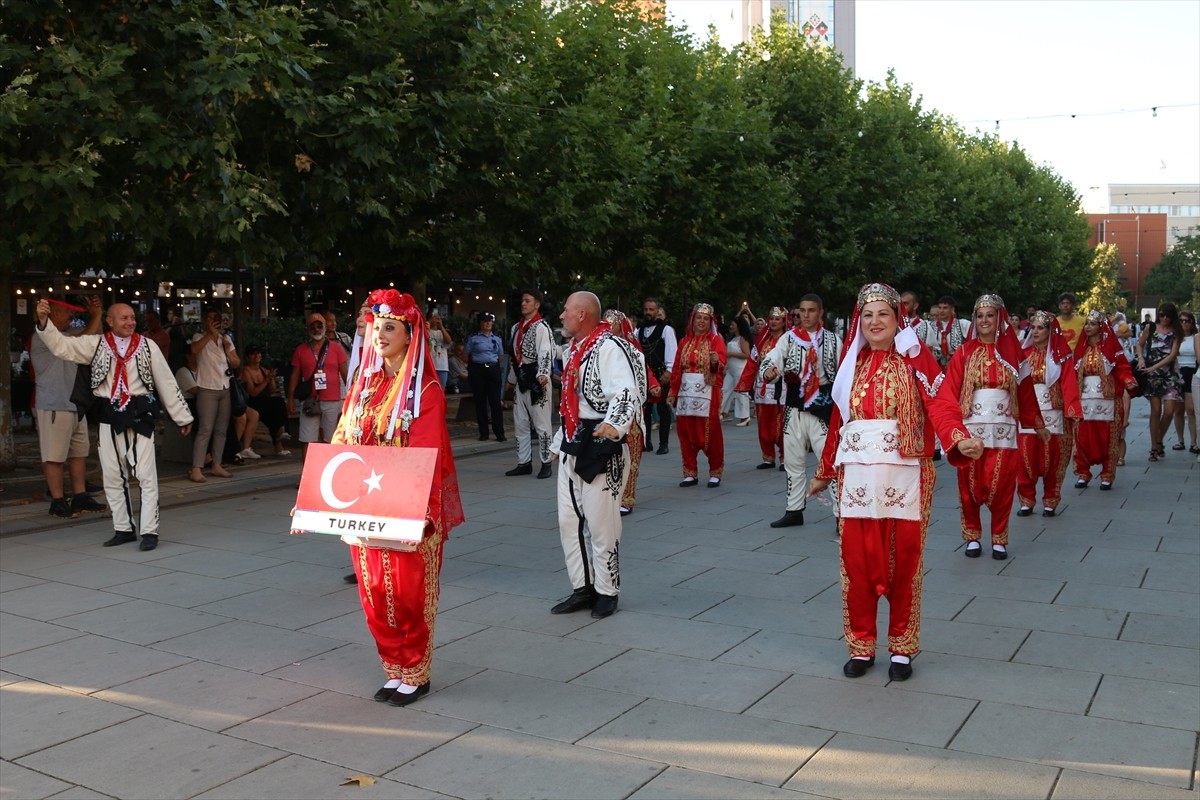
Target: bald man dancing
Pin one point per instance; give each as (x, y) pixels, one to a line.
(131, 374)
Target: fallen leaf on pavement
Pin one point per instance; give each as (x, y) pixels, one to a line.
(358, 780)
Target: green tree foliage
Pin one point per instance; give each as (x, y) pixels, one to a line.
(1175, 276)
(1106, 280)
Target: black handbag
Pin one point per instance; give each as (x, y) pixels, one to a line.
(239, 397)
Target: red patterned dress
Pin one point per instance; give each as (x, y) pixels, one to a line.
(1047, 461)
(696, 394)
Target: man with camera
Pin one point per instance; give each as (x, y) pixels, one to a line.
(315, 383)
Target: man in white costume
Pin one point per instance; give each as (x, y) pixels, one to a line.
(532, 355)
(603, 389)
(135, 384)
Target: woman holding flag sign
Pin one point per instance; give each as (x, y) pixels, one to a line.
(397, 401)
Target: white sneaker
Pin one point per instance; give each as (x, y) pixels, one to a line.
(250, 454)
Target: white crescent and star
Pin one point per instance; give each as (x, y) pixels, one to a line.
(327, 494)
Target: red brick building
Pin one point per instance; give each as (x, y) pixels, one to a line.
(1141, 241)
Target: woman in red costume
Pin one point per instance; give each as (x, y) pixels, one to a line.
(987, 381)
(1104, 376)
(695, 393)
(880, 451)
(623, 327)
(1052, 370)
(397, 401)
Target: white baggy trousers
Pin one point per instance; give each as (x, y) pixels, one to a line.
(589, 523)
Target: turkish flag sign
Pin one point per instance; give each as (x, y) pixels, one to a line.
(376, 492)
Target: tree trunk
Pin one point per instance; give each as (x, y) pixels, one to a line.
(8, 453)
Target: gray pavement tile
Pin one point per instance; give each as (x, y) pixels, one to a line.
(456, 568)
(310, 579)
(518, 555)
(349, 627)
(733, 745)
(248, 646)
(854, 767)
(1086, 538)
(96, 573)
(528, 705)
(1099, 622)
(282, 609)
(15, 580)
(1180, 575)
(814, 567)
(1131, 659)
(183, 590)
(855, 706)
(1123, 749)
(1076, 785)
(19, 783)
(555, 658)
(451, 630)
(355, 670)
(89, 663)
(1048, 548)
(460, 545)
(708, 684)
(238, 540)
(770, 587)
(516, 612)
(988, 585)
(299, 778)
(775, 615)
(35, 715)
(653, 575)
(1188, 544)
(49, 601)
(1002, 682)
(787, 652)
(1161, 629)
(635, 546)
(1170, 705)
(1088, 571)
(323, 551)
(748, 537)
(1121, 598)
(452, 596)
(1144, 559)
(685, 784)
(80, 793)
(167, 547)
(20, 557)
(731, 558)
(217, 563)
(969, 639)
(7, 677)
(670, 602)
(18, 634)
(141, 621)
(355, 733)
(206, 695)
(662, 634)
(186, 760)
(499, 763)
(529, 582)
(810, 541)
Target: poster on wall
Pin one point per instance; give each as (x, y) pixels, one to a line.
(191, 311)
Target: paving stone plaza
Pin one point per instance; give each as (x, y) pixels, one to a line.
(233, 661)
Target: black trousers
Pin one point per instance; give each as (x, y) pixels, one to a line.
(486, 383)
(665, 416)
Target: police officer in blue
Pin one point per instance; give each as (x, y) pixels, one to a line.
(484, 351)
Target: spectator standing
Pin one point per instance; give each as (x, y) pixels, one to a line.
(658, 342)
(1186, 411)
(324, 366)
(215, 358)
(62, 431)
(737, 350)
(156, 333)
(1158, 359)
(1070, 323)
(439, 346)
(484, 350)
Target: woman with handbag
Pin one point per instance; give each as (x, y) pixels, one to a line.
(216, 359)
(1158, 355)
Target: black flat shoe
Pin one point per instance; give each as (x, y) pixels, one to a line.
(605, 605)
(384, 694)
(149, 542)
(857, 667)
(766, 465)
(686, 482)
(1105, 487)
(999, 555)
(121, 537)
(789, 519)
(500, 437)
(400, 700)
(578, 601)
(1081, 484)
(937, 455)
(972, 552)
(483, 438)
(1047, 512)
(662, 450)
(545, 471)
(351, 578)
(714, 483)
(1024, 512)
(899, 671)
(521, 469)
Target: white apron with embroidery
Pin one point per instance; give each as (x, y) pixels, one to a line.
(1050, 415)
(695, 396)
(991, 419)
(877, 482)
(1096, 407)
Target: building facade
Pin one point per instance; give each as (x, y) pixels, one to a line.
(1178, 202)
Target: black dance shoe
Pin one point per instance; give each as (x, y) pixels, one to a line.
(1047, 512)
(899, 671)
(789, 519)
(384, 694)
(149, 542)
(605, 605)
(1081, 484)
(121, 537)
(857, 667)
(999, 555)
(662, 449)
(578, 601)
(400, 700)
(686, 482)
(521, 469)
(545, 471)
(1024, 511)
(973, 552)
(766, 465)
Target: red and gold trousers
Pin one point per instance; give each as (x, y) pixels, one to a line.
(698, 434)
(636, 442)
(1044, 461)
(991, 481)
(770, 430)
(884, 557)
(1099, 442)
(399, 593)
